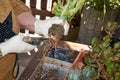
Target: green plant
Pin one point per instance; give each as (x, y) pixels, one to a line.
(104, 59)
(103, 5)
(68, 10)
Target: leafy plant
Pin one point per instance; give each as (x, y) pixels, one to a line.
(103, 5)
(68, 10)
(104, 59)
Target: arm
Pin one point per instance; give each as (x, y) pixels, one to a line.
(26, 21)
(24, 15)
(15, 45)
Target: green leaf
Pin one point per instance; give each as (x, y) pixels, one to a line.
(117, 45)
(89, 73)
(118, 54)
(109, 66)
(104, 45)
(111, 25)
(107, 53)
(117, 75)
(94, 40)
(74, 75)
(96, 49)
(88, 59)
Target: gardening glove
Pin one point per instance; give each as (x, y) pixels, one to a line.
(42, 26)
(15, 44)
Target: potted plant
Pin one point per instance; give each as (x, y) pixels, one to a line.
(103, 61)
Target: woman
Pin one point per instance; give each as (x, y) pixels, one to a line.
(13, 16)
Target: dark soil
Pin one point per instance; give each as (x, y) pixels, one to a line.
(50, 71)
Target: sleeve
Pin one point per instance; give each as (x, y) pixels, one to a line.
(19, 7)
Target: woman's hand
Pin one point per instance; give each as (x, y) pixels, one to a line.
(15, 45)
(42, 26)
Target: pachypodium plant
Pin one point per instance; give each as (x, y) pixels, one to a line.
(67, 10)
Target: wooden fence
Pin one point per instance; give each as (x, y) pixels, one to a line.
(43, 12)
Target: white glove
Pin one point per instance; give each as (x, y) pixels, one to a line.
(15, 44)
(42, 26)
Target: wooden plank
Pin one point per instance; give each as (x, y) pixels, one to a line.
(33, 3)
(31, 66)
(44, 4)
(58, 62)
(43, 7)
(42, 12)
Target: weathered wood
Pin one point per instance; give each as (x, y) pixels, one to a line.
(44, 4)
(31, 67)
(42, 12)
(57, 62)
(92, 22)
(33, 3)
